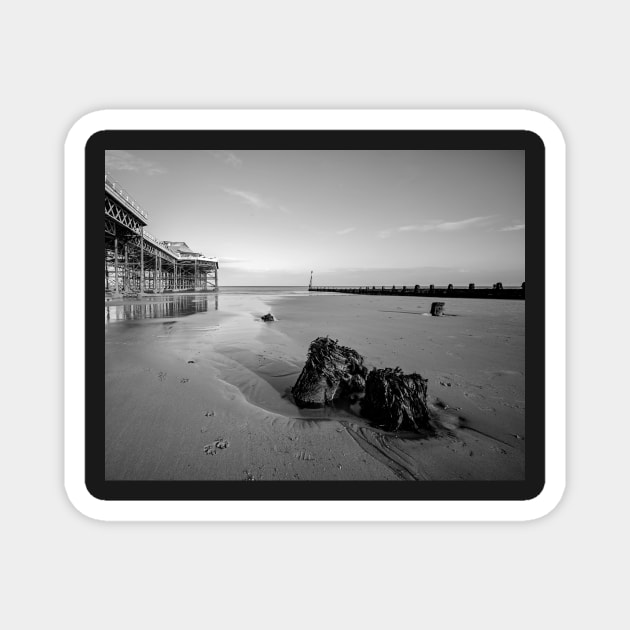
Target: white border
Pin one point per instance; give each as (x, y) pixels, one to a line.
(314, 510)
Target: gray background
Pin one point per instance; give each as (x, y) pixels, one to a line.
(64, 59)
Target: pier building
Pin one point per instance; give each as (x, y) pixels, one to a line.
(138, 263)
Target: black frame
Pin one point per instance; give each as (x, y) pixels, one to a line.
(319, 490)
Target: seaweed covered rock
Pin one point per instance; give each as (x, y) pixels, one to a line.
(396, 400)
(331, 371)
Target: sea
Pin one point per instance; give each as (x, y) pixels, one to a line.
(264, 290)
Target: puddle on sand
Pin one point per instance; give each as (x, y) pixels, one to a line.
(159, 307)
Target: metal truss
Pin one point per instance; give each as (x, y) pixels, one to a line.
(121, 216)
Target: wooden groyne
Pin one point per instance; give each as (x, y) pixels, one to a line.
(497, 291)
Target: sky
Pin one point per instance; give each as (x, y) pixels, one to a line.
(353, 217)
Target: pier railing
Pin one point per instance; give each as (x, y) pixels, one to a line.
(149, 237)
(120, 191)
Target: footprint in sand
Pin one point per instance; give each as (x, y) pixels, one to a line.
(303, 456)
(217, 445)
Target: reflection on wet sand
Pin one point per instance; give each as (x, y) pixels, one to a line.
(162, 307)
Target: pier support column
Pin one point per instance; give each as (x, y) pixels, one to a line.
(141, 261)
(116, 264)
(126, 275)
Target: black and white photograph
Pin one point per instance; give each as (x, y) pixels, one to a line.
(315, 315)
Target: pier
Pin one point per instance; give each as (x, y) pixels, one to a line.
(497, 291)
(137, 263)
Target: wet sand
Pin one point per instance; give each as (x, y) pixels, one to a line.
(197, 387)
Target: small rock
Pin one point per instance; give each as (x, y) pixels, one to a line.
(269, 317)
(209, 414)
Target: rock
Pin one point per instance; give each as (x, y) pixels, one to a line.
(437, 309)
(330, 371)
(396, 400)
(269, 317)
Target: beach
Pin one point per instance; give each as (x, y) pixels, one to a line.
(198, 387)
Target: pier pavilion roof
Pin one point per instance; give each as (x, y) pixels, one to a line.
(181, 248)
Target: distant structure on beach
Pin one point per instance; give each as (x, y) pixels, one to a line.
(496, 291)
(137, 263)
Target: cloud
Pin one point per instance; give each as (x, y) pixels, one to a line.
(438, 226)
(449, 226)
(227, 157)
(117, 160)
(228, 260)
(346, 231)
(253, 199)
(513, 228)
